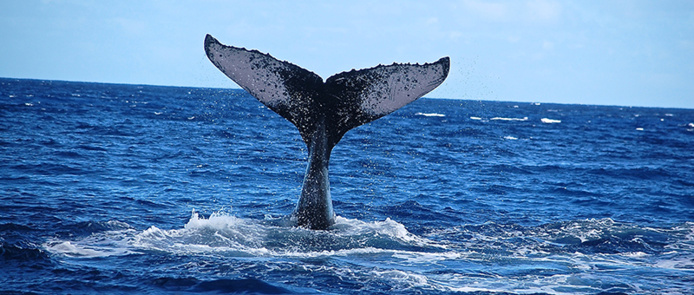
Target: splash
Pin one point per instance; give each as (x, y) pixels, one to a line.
(555, 258)
(229, 236)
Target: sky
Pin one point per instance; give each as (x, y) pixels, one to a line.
(606, 52)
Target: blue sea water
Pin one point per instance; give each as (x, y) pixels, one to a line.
(108, 188)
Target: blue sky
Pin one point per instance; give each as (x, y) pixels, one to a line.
(630, 53)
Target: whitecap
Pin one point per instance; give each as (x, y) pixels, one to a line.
(430, 114)
(509, 119)
(549, 121)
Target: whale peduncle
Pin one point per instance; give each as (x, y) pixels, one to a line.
(315, 208)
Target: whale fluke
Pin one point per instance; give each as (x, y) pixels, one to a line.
(324, 111)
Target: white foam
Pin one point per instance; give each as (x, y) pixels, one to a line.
(550, 121)
(223, 234)
(219, 233)
(430, 114)
(510, 138)
(509, 119)
(387, 251)
(402, 279)
(424, 258)
(478, 118)
(70, 249)
(98, 245)
(676, 263)
(554, 284)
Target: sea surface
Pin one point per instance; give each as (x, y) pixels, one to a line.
(114, 189)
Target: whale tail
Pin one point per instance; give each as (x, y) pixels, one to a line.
(348, 99)
(324, 111)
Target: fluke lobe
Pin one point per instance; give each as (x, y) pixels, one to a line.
(324, 111)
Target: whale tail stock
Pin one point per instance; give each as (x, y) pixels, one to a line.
(324, 111)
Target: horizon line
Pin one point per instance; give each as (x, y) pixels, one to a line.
(443, 98)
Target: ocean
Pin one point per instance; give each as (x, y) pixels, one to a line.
(112, 189)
